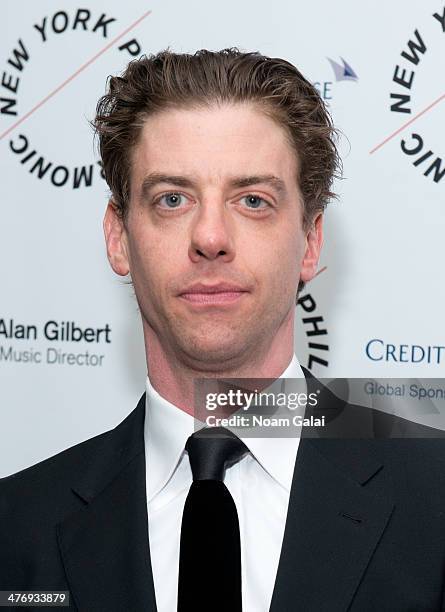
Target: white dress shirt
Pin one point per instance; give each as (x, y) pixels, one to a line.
(259, 484)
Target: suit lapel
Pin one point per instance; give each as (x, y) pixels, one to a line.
(104, 546)
(339, 506)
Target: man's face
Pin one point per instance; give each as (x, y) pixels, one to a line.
(215, 207)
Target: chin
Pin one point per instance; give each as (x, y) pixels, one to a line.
(214, 352)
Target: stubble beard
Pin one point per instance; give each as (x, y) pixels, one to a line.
(220, 346)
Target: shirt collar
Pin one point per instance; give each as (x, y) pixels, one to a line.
(277, 455)
(167, 429)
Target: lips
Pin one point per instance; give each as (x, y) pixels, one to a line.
(217, 294)
(210, 289)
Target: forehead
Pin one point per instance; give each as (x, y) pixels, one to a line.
(213, 143)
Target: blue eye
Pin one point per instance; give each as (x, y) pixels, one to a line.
(254, 202)
(172, 200)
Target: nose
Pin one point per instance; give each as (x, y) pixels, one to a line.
(212, 233)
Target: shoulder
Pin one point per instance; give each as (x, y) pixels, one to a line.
(364, 440)
(35, 500)
(403, 440)
(32, 502)
(413, 455)
(47, 484)
(48, 479)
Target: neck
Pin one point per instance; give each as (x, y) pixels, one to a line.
(173, 375)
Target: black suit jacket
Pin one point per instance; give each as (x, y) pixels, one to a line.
(365, 530)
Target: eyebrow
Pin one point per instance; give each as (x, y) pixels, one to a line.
(153, 179)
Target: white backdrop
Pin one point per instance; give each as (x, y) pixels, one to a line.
(382, 291)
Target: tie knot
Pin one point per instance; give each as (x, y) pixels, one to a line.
(211, 450)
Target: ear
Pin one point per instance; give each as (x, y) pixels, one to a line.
(116, 240)
(314, 242)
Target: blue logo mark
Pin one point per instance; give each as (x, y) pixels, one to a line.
(343, 72)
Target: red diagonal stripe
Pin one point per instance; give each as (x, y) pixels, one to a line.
(405, 125)
(74, 75)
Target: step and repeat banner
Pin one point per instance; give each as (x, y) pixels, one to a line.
(72, 359)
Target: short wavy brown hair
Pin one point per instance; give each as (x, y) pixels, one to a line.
(180, 80)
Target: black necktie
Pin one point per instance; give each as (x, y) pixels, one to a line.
(210, 554)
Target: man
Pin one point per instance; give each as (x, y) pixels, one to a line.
(220, 166)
